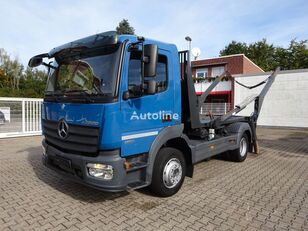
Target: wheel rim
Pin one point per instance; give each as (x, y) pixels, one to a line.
(243, 147)
(172, 174)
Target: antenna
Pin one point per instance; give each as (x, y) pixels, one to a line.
(195, 52)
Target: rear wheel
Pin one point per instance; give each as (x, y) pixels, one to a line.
(168, 173)
(240, 153)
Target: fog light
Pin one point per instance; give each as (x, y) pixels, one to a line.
(101, 171)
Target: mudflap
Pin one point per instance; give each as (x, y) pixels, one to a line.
(255, 144)
(256, 147)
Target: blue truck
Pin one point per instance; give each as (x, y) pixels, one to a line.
(120, 112)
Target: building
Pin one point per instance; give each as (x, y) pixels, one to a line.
(204, 71)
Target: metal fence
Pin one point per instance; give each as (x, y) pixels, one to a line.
(215, 108)
(20, 117)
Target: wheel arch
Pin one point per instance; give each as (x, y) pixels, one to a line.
(169, 137)
(181, 144)
(241, 128)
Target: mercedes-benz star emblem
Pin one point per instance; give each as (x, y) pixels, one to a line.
(62, 129)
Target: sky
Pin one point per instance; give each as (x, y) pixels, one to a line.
(31, 27)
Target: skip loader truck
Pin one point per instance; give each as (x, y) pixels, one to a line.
(121, 112)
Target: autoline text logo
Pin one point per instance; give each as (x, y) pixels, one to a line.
(161, 115)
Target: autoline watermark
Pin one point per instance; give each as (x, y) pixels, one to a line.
(160, 115)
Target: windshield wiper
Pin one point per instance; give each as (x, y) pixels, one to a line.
(69, 51)
(54, 94)
(74, 95)
(77, 91)
(84, 93)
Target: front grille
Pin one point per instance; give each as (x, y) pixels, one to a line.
(82, 140)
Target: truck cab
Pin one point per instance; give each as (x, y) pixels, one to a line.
(116, 115)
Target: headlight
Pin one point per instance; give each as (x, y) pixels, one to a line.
(101, 171)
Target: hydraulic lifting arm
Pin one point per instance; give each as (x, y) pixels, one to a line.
(192, 103)
(260, 98)
(257, 98)
(252, 120)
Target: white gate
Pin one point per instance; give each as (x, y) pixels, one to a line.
(20, 117)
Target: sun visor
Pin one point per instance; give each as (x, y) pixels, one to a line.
(98, 40)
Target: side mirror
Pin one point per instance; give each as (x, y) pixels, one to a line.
(37, 60)
(151, 58)
(151, 89)
(134, 91)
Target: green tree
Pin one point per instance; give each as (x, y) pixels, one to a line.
(281, 58)
(234, 48)
(17, 81)
(11, 70)
(33, 83)
(298, 54)
(262, 54)
(125, 28)
(268, 56)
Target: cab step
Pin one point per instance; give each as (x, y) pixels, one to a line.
(137, 185)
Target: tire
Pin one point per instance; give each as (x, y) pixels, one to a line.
(240, 154)
(168, 173)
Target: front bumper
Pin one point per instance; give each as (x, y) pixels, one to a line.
(76, 170)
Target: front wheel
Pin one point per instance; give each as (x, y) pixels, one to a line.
(240, 153)
(168, 173)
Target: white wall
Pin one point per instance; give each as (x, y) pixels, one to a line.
(286, 103)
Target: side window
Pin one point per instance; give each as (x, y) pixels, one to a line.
(161, 75)
(202, 73)
(217, 71)
(134, 72)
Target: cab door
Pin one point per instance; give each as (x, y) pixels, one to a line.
(144, 116)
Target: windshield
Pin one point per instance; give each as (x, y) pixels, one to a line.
(90, 72)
